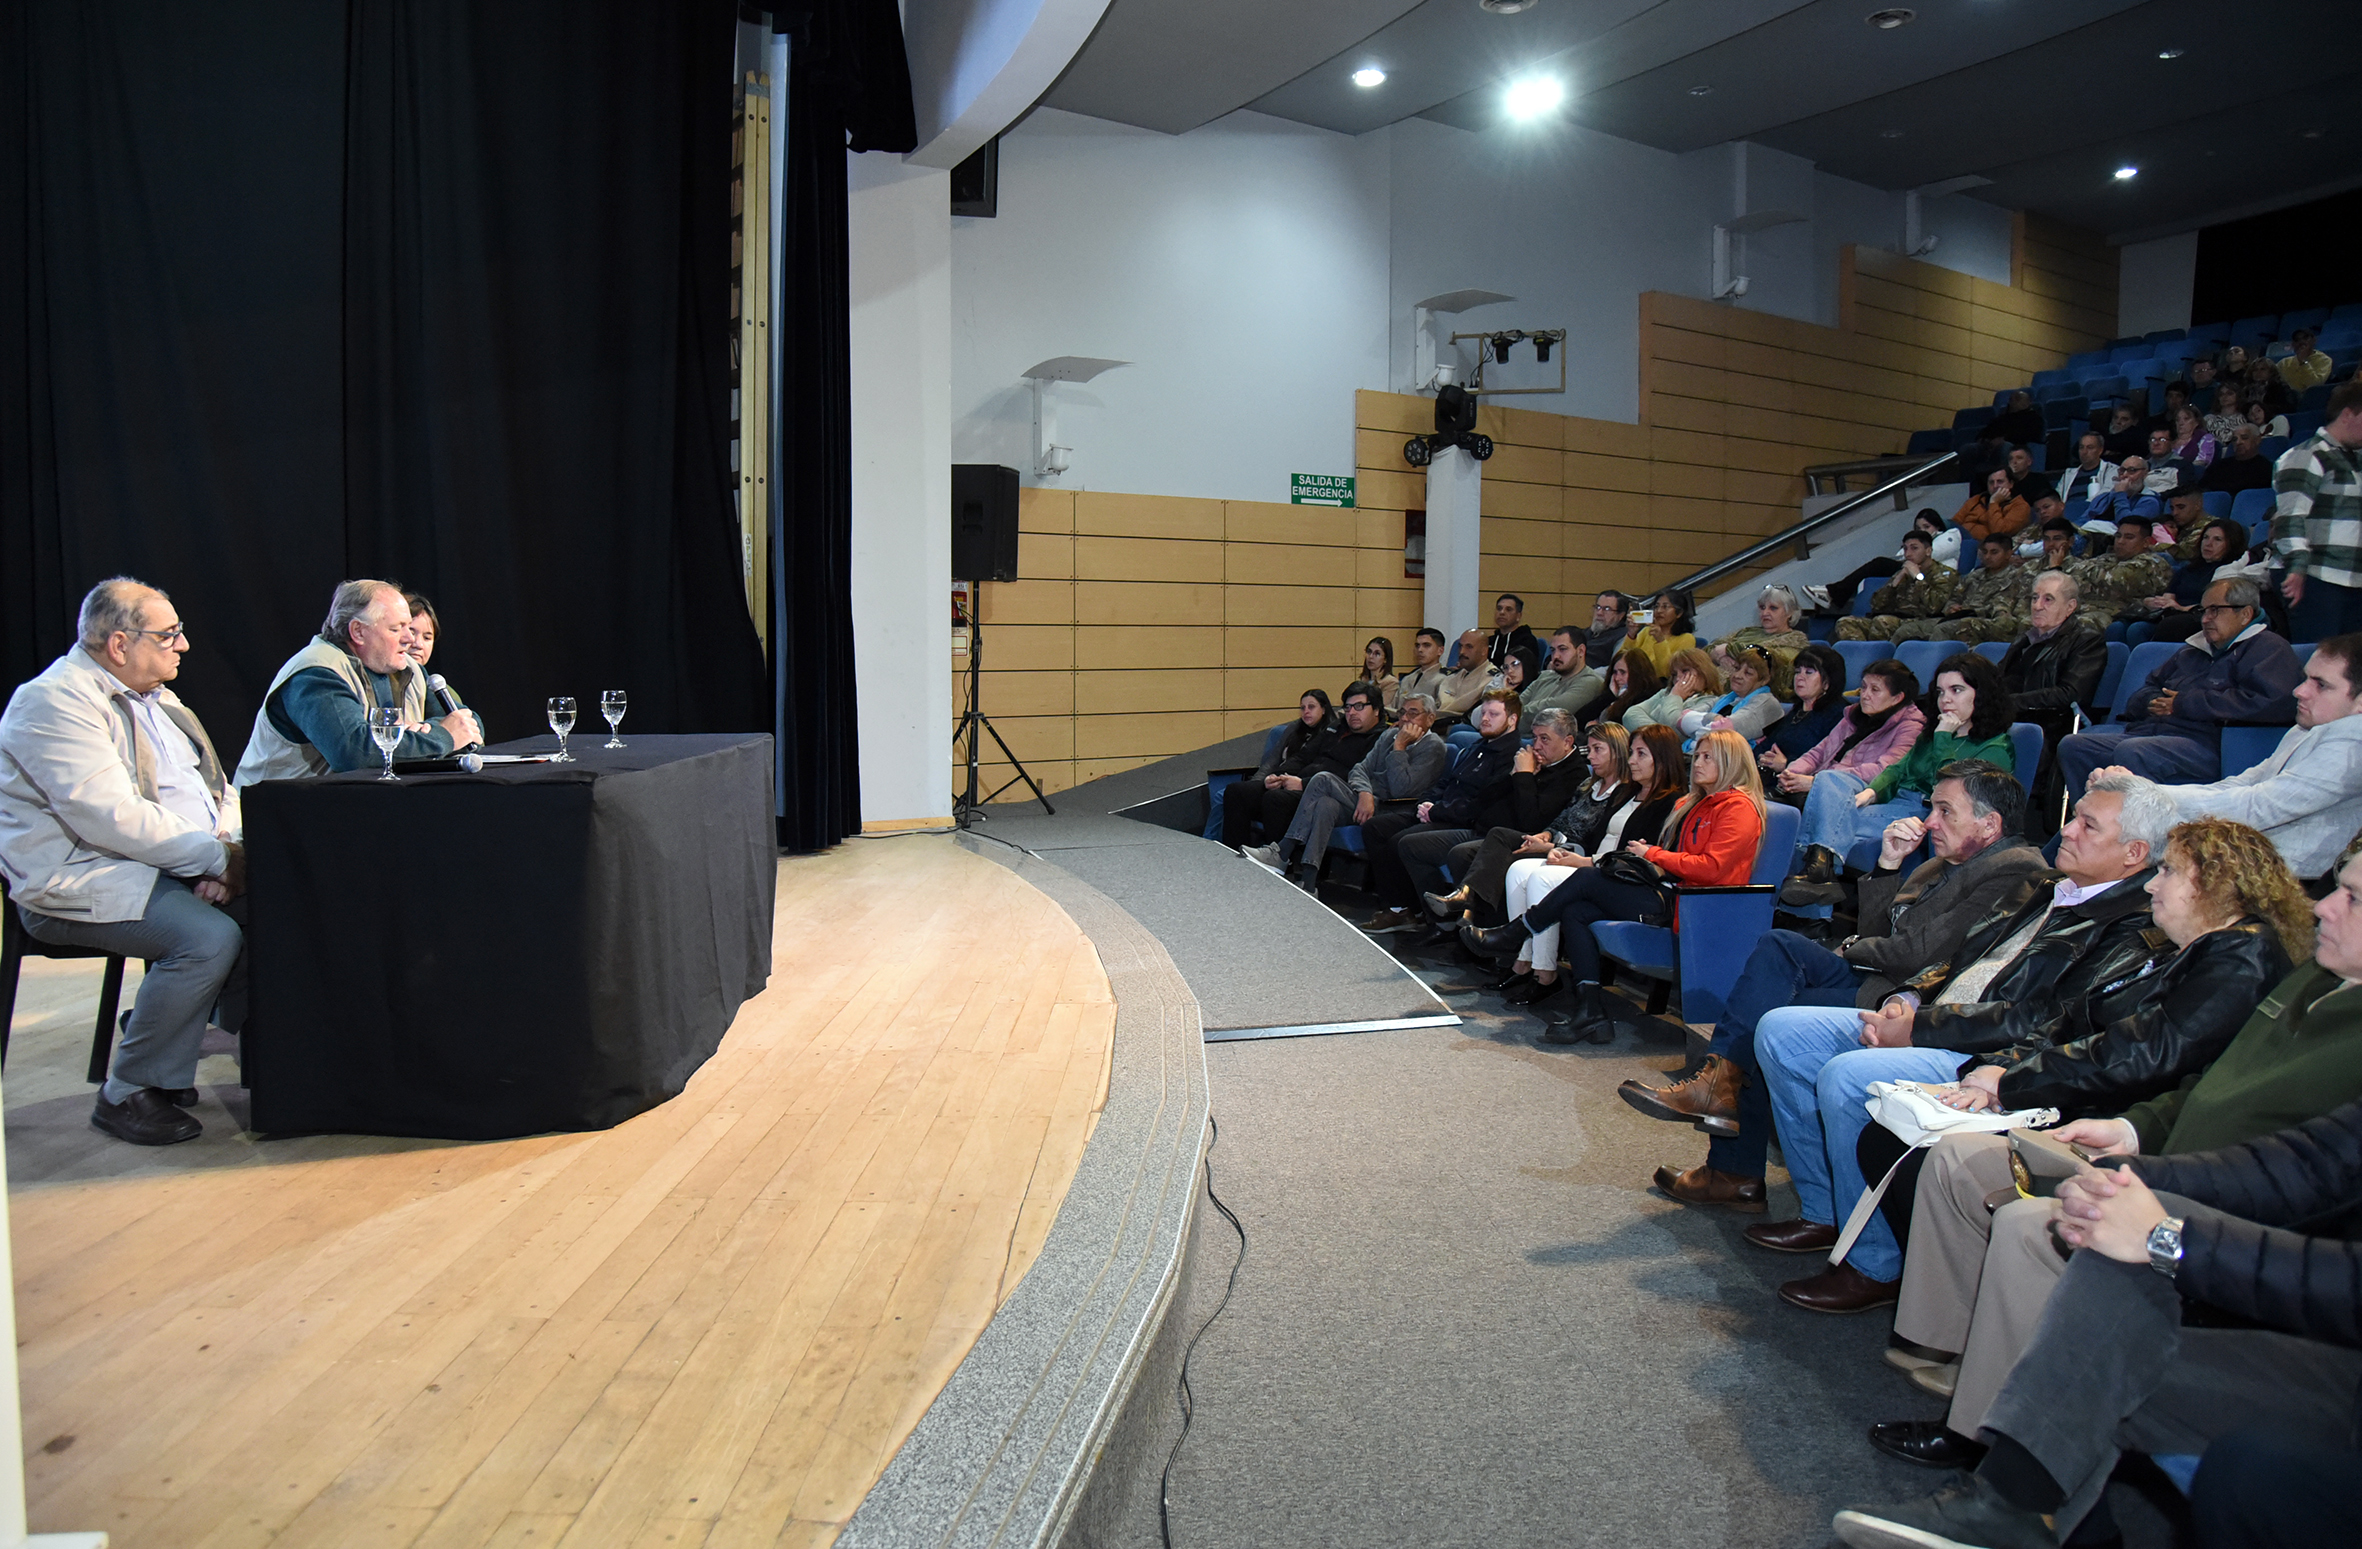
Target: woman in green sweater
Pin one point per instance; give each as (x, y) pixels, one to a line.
(1969, 719)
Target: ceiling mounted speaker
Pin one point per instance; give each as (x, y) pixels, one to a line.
(1888, 20)
(1507, 7)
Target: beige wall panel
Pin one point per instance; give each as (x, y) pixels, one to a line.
(1266, 690)
(1146, 559)
(1391, 489)
(1157, 736)
(1744, 484)
(1389, 610)
(1672, 511)
(1692, 549)
(1687, 479)
(1115, 647)
(1147, 602)
(1045, 510)
(1045, 556)
(1589, 471)
(1380, 567)
(1379, 448)
(1146, 516)
(1051, 774)
(1606, 508)
(1510, 425)
(1522, 464)
(1029, 647)
(1712, 350)
(1116, 693)
(1670, 445)
(1504, 536)
(1251, 605)
(1609, 438)
(1027, 693)
(1951, 311)
(1404, 414)
(1527, 502)
(1027, 602)
(1667, 411)
(1288, 564)
(1332, 648)
(1524, 574)
(1032, 736)
(1258, 521)
(1381, 529)
(1243, 723)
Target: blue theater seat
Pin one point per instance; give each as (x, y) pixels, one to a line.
(1719, 927)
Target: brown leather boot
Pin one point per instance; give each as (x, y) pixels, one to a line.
(1710, 1098)
(1703, 1185)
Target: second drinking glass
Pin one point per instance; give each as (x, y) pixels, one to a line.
(561, 721)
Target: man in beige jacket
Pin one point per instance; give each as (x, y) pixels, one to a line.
(119, 832)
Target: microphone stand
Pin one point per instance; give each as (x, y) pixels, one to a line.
(968, 808)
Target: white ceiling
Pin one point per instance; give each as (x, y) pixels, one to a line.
(2044, 97)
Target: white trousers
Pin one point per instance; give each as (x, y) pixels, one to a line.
(1527, 881)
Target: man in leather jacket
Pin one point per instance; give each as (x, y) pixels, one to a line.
(2052, 668)
(2118, 1364)
(1980, 865)
(2093, 931)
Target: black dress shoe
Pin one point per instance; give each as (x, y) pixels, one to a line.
(1929, 1443)
(145, 1118)
(182, 1096)
(1512, 978)
(1532, 991)
(1499, 941)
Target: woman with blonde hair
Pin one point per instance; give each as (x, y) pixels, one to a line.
(2240, 920)
(1709, 840)
(1692, 682)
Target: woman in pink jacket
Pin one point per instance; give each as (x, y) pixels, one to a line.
(1877, 731)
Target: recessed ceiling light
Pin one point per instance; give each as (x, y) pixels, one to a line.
(1534, 95)
(2169, 53)
(1890, 134)
(1369, 76)
(2313, 134)
(2127, 174)
(1505, 7)
(1701, 91)
(1891, 18)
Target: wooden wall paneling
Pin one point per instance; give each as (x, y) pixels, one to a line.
(1287, 564)
(1252, 605)
(1146, 516)
(1115, 647)
(1337, 649)
(1099, 558)
(1143, 689)
(1256, 521)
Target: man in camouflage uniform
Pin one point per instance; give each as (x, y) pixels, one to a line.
(1918, 591)
(1990, 603)
(2130, 570)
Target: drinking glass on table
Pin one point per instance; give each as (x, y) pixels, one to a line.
(611, 705)
(561, 721)
(385, 729)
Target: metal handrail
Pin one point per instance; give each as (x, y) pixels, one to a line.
(1796, 535)
(1835, 474)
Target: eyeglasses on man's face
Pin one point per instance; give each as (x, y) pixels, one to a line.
(164, 636)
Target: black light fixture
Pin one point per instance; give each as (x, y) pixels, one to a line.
(1501, 343)
(1542, 343)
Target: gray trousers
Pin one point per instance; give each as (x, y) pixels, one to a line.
(2111, 1370)
(1328, 801)
(199, 957)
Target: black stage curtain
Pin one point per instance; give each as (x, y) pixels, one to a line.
(848, 89)
(414, 288)
(2298, 257)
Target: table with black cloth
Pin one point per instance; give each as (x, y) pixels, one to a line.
(534, 947)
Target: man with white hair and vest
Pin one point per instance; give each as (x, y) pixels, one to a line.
(118, 833)
(314, 718)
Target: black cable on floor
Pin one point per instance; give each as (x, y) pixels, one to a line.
(1164, 1485)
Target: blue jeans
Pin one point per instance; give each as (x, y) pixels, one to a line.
(1870, 828)
(1829, 811)
(1785, 969)
(2166, 759)
(199, 958)
(1819, 1076)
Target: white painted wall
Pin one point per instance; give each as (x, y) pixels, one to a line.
(1241, 268)
(2154, 284)
(900, 248)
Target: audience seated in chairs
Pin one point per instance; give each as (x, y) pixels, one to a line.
(1816, 684)
(1477, 792)
(1598, 779)
(2091, 474)
(1710, 840)
(119, 833)
(1778, 626)
(2242, 467)
(1876, 730)
(1981, 866)
(1996, 511)
(1692, 683)
(1566, 682)
(2173, 613)
(2132, 568)
(1543, 778)
(2093, 932)
(1919, 590)
(2307, 797)
(1754, 699)
(1973, 712)
(1401, 767)
(1631, 681)
(2233, 669)
(1611, 625)
(2052, 670)
(1988, 603)
(1509, 630)
(1976, 1278)
(1671, 628)
(1635, 782)
(1323, 741)
(1466, 682)
(1377, 669)
(1426, 675)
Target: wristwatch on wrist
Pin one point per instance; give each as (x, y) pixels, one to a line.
(2165, 1246)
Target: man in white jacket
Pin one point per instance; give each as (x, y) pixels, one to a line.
(119, 832)
(2307, 797)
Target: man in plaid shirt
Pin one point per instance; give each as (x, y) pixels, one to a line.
(2317, 533)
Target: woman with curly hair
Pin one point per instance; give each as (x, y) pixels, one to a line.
(2241, 921)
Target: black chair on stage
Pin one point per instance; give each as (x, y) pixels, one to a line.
(16, 945)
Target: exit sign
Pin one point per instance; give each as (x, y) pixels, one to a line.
(1320, 489)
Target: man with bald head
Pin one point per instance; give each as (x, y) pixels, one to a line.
(314, 717)
(118, 833)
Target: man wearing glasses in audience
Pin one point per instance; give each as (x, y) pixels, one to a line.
(119, 833)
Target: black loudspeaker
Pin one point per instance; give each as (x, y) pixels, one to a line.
(983, 522)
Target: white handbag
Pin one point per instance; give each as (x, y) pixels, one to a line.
(1918, 1117)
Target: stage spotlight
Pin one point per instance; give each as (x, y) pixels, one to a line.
(1542, 348)
(1501, 343)
(1535, 95)
(1369, 76)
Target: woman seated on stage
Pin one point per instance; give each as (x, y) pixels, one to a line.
(1709, 840)
(1973, 711)
(1631, 680)
(1754, 702)
(1483, 863)
(1693, 683)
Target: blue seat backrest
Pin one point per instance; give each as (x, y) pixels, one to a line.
(2112, 385)
(2104, 695)
(2073, 510)
(1862, 595)
(2043, 379)
(2267, 324)
(1993, 650)
(2304, 650)
(1859, 654)
(1773, 858)
(2083, 360)
(1926, 443)
(1924, 656)
(2302, 425)
(2165, 336)
(1974, 419)
(2251, 506)
(2244, 747)
(2217, 502)
(2271, 448)
(2146, 658)
(2303, 317)
(2025, 742)
(2136, 350)
(1271, 740)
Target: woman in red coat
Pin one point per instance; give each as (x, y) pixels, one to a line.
(1709, 841)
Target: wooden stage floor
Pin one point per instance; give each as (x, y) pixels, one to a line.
(710, 1326)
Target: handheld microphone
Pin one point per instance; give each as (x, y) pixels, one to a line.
(448, 698)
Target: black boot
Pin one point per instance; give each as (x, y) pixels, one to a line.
(1589, 1020)
(1500, 941)
(1815, 882)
